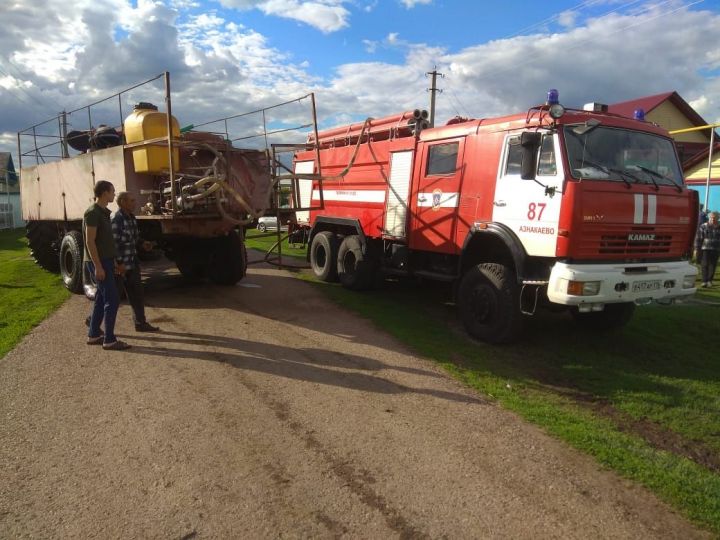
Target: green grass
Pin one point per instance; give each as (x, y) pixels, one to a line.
(663, 369)
(28, 293)
(254, 239)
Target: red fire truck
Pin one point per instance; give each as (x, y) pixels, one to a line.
(555, 207)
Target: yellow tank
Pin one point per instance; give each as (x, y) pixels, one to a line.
(147, 123)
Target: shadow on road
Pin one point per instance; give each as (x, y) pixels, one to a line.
(306, 364)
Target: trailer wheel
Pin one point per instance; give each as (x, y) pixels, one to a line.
(356, 270)
(89, 284)
(489, 304)
(323, 256)
(43, 241)
(227, 260)
(71, 261)
(612, 317)
(189, 266)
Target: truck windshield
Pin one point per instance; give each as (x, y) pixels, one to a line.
(605, 153)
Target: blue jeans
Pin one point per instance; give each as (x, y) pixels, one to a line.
(107, 302)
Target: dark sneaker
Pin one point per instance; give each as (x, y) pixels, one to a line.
(95, 340)
(116, 346)
(146, 327)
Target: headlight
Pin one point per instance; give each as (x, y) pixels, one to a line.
(688, 282)
(583, 288)
(556, 110)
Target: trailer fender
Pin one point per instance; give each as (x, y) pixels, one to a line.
(493, 243)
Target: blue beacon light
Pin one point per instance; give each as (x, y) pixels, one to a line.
(553, 97)
(639, 114)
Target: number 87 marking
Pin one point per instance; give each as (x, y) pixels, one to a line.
(532, 211)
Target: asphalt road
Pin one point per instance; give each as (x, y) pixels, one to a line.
(265, 411)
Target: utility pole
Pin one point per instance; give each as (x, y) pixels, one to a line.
(433, 90)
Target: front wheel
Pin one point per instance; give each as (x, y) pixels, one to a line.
(489, 303)
(71, 261)
(612, 317)
(262, 227)
(89, 285)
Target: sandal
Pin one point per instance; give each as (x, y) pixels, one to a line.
(116, 346)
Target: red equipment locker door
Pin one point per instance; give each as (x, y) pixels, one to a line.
(436, 197)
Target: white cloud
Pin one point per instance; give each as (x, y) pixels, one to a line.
(370, 45)
(370, 6)
(325, 15)
(567, 18)
(409, 4)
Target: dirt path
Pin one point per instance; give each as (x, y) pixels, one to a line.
(266, 411)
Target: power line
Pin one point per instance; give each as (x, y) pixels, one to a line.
(24, 76)
(553, 17)
(433, 90)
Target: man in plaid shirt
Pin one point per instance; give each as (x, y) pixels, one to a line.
(127, 240)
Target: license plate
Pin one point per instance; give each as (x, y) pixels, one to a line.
(640, 286)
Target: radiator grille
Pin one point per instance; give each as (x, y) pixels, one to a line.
(619, 244)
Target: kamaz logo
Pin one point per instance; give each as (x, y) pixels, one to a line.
(634, 237)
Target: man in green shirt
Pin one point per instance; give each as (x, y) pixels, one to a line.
(100, 255)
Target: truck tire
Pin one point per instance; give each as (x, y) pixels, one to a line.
(228, 262)
(43, 241)
(190, 267)
(356, 270)
(89, 284)
(323, 256)
(71, 261)
(489, 303)
(614, 316)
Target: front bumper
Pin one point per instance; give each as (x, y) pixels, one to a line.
(640, 283)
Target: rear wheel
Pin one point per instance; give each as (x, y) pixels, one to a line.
(43, 239)
(356, 269)
(191, 265)
(489, 303)
(323, 256)
(612, 317)
(228, 261)
(71, 261)
(262, 227)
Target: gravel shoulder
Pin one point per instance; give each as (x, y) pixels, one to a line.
(264, 410)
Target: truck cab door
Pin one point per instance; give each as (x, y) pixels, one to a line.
(436, 196)
(524, 206)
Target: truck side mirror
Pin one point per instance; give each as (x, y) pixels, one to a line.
(530, 142)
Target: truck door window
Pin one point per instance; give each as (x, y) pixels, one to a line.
(546, 164)
(514, 157)
(442, 159)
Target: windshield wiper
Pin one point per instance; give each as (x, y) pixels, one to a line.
(653, 173)
(607, 170)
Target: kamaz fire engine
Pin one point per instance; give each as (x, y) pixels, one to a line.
(579, 209)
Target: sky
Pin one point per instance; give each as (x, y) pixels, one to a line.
(360, 58)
